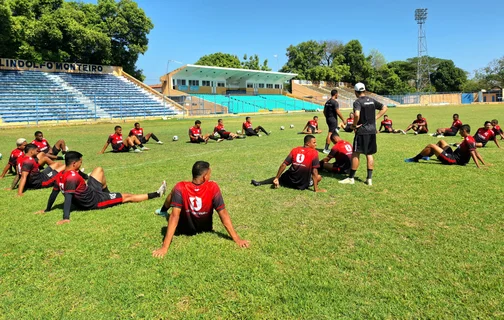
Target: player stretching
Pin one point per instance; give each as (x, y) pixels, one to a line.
(223, 134)
(347, 126)
(120, 145)
(94, 194)
(15, 154)
(311, 127)
(331, 110)
(139, 133)
(45, 147)
(195, 135)
(303, 170)
(449, 132)
(419, 125)
(497, 129)
(365, 132)
(461, 156)
(485, 134)
(341, 152)
(387, 124)
(193, 203)
(29, 175)
(250, 131)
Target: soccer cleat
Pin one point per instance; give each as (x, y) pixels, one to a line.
(161, 213)
(403, 132)
(66, 149)
(326, 151)
(439, 136)
(159, 142)
(410, 160)
(258, 134)
(426, 158)
(255, 183)
(269, 132)
(416, 132)
(137, 150)
(369, 182)
(82, 170)
(162, 189)
(220, 140)
(144, 148)
(433, 134)
(347, 181)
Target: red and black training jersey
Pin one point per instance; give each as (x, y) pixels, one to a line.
(220, 129)
(302, 160)
(15, 154)
(197, 202)
(497, 130)
(387, 124)
(193, 131)
(136, 132)
(247, 125)
(43, 146)
(456, 125)
(341, 151)
(312, 123)
(484, 135)
(116, 140)
(421, 121)
(72, 182)
(463, 152)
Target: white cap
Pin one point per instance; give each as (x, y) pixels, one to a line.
(360, 87)
(20, 141)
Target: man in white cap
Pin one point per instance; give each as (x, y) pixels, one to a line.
(15, 154)
(365, 132)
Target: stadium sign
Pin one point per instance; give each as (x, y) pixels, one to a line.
(27, 65)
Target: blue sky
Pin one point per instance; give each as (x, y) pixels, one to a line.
(467, 32)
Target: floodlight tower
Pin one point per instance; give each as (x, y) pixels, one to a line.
(423, 72)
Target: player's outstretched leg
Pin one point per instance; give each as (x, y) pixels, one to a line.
(126, 197)
(259, 128)
(429, 151)
(259, 183)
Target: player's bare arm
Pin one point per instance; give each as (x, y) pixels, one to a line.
(104, 148)
(22, 183)
(316, 177)
(279, 173)
(14, 182)
(7, 167)
(170, 232)
(382, 112)
(226, 221)
(338, 112)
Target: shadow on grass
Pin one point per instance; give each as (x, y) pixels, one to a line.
(218, 233)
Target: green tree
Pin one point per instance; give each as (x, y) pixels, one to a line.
(303, 57)
(219, 59)
(360, 67)
(493, 74)
(376, 59)
(253, 63)
(448, 78)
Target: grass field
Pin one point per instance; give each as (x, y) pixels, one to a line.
(425, 241)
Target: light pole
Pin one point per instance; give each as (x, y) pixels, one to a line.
(168, 78)
(276, 57)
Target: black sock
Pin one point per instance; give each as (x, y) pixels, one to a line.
(164, 208)
(369, 173)
(153, 136)
(141, 145)
(134, 147)
(106, 189)
(153, 195)
(352, 173)
(326, 146)
(83, 175)
(418, 157)
(59, 158)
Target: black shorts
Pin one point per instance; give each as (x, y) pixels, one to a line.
(250, 132)
(332, 123)
(286, 181)
(102, 199)
(198, 140)
(312, 129)
(341, 167)
(44, 179)
(122, 148)
(365, 144)
(225, 135)
(143, 140)
(447, 156)
(450, 133)
(55, 150)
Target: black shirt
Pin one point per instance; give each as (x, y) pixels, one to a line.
(367, 119)
(330, 108)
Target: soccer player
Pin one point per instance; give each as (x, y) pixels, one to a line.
(387, 124)
(346, 126)
(331, 110)
(461, 156)
(221, 131)
(303, 170)
(449, 132)
(249, 130)
(15, 154)
(193, 203)
(497, 129)
(45, 147)
(29, 175)
(94, 194)
(365, 132)
(311, 126)
(195, 135)
(419, 125)
(139, 133)
(120, 145)
(341, 152)
(485, 134)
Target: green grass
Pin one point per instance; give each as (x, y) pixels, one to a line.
(425, 241)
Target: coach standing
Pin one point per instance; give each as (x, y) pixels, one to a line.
(331, 109)
(365, 131)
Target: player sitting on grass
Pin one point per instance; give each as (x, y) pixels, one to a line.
(449, 132)
(347, 127)
(497, 129)
(341, 152)
(446, 155)
(94, 194)
(139, 133)
(485, 134)
(193, 203)
(220, 131)
(120, 145)
(28, 167)
(195, 135)
(303, 170)
(14, 155)
(419, 125)
(250, 131)
(45, 147)
(311, 127)
(387, 124)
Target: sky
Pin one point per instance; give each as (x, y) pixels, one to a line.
(466, 32)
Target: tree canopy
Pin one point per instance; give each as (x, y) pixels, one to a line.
(108, 33)
(226, 60)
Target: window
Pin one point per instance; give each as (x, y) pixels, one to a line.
(277, 86)
(269, 86)
(261, 85)
(250, 85)
(221, 84)
(205, 83)
(193, 82)
(181, 82)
